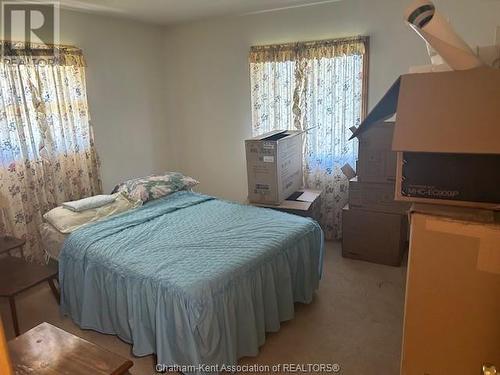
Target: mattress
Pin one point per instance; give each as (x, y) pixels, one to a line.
(194, 279)
(52, 240)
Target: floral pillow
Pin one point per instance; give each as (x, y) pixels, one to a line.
(155, 186)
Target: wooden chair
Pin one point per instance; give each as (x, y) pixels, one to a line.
(17, 275)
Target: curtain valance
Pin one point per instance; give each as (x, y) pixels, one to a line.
(22, 53)
(309, 50)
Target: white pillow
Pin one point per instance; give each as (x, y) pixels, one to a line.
(67, 221)
(90, 202)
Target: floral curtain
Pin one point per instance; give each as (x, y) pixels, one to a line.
(47, 153)
(319, 87)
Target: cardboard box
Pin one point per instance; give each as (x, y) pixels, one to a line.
(376, 160)
(490, 55)
(429, 68)
(448, 112)
(458, 213)
(451, 321)
(372, 236)
(375, 196)
(274, 166)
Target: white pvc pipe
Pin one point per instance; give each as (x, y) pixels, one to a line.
(423, 17)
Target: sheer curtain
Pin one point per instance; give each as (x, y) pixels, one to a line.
(320, 86)
(47, 153)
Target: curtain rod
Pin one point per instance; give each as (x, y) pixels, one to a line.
(39, 45)
(360, 38)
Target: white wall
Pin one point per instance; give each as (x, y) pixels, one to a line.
(126, 92)
(178, 98)
(208, 96)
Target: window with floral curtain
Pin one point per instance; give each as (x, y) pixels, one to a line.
(47, 153)
(319, 87)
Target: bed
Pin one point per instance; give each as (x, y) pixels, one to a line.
(52, 240)
(196, 280)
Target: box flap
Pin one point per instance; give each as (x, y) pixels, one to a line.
(454, 112)
(384, 109)
(266, 135)
(348, 171)
(456, 213)
(276, 135)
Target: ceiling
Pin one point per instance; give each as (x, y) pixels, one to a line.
(167, 12)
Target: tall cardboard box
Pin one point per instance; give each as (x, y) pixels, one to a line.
(374, 225)
(372, 236)
(452, 309)
(274, 166)
(447, 135)
(376, 160)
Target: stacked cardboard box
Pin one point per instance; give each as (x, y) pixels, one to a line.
(446, 137)
(374, 224)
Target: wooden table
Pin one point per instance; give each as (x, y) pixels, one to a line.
(48, 350)
(16, 276)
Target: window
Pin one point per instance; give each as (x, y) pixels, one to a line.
(47, 153)
(44, 110)
(319, 87)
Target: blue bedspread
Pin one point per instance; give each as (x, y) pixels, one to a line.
(194, 279)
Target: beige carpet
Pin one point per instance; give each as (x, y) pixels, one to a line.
(355, 321)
